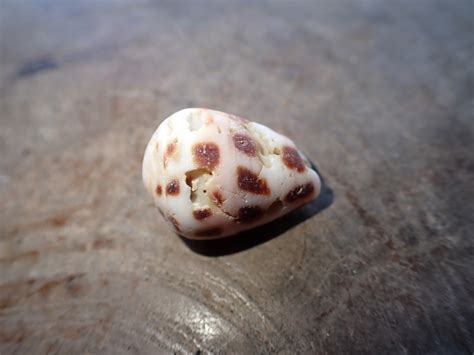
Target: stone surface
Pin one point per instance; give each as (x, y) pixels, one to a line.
(378, 94)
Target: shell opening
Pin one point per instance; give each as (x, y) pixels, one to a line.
(197, 180)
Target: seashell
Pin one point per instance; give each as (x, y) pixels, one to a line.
(214, 174)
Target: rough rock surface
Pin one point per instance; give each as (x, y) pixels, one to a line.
(378, 92)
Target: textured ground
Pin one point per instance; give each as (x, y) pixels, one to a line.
(378, 94)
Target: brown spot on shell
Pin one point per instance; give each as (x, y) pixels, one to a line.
(217, 198)
(249, 214)
(211, 232)
(292, 159)
(159, 190)
(275, 207)
(175, 222)
(170, 149)
(249, 181)
(245, 144)
(206, 155)
(299, 192)
(173, 187)
(202, 213)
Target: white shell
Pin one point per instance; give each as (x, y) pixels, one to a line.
(213, 174)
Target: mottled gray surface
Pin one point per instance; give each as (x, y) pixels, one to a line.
(378, 93)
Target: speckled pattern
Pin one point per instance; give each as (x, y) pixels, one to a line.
(194, 153)
(378, 94)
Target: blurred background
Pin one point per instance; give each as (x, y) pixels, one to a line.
(379, 94)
